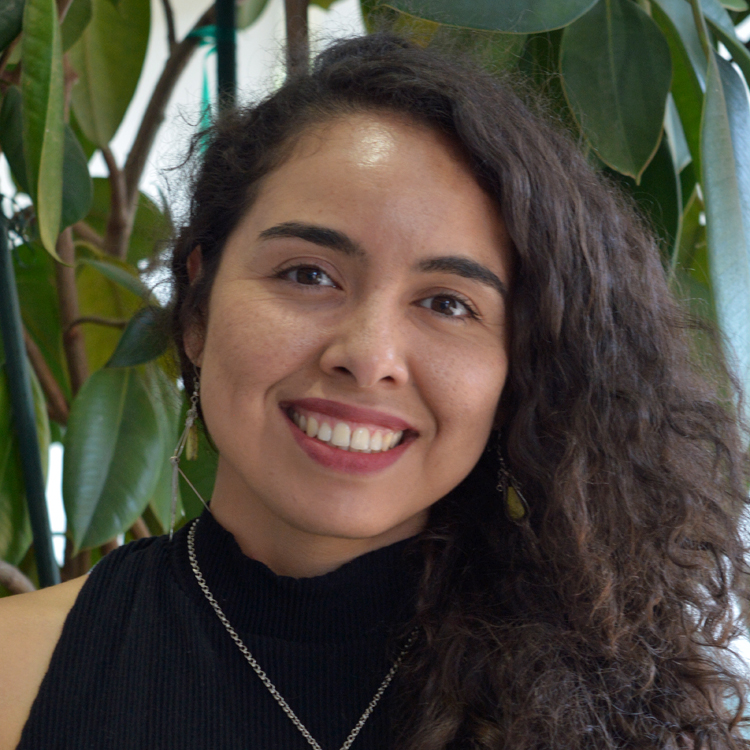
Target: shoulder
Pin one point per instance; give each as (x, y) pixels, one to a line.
(30, 626)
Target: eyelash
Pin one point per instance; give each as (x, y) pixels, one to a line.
(472, 313)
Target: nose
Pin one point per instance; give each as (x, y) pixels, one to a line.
(367, 346)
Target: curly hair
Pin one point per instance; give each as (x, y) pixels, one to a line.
(606, 617)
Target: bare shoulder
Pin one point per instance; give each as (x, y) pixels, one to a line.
(30, 626)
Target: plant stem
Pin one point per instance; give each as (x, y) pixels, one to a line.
(86, 233)
(98, 320)
(57, 404)
(140, 530)
(120, 221)
(67, 293)
(14, 580)
(169, 15)
(297, 37)
(154, 114)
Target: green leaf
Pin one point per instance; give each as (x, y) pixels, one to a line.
(76, 20)
(675, 19)
(15, 527)
(43, 137)
(121, 274)
(248, 12)
(11, 21)
(113, 456)
(40, 310)
(726, 185)
(676, 136)
(108, 58)
(509, 16)
(659, 198)
(146, 337)
(325, 4)
(616, 74)
(78, 190)
(106, 289)
(721, 23)
(11, 136)
(738, 5)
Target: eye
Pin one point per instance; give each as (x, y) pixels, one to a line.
(449, 306)
(307, 275)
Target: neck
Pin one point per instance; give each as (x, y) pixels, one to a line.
(287, 549)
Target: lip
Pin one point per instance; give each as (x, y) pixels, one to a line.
(348, 462)
(348, 413)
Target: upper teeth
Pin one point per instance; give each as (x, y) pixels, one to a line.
(343, 436)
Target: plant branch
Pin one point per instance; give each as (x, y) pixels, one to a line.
(86, 233)
(14, 580)
(98, 320)
(109, 546)
(139, 530)
(154, 115)
(169, 15)
(57, 404)
(67, 293)
(120, 220)
(297, 37)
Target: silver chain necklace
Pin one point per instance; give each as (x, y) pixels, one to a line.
(264, 677)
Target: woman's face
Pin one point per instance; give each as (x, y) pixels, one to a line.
(357, 336)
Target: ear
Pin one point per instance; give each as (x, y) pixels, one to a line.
(193, 337)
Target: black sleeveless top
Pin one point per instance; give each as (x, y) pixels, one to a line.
(144, 662)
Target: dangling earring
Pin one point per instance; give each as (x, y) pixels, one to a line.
(516, 507)
(189, 443)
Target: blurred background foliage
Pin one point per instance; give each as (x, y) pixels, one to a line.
(654, 90)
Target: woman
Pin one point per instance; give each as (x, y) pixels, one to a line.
(463, 446)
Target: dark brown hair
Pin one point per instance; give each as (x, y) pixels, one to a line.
(604, 618)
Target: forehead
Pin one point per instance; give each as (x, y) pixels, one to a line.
(386, 181)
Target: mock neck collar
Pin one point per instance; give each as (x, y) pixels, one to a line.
(373, 592)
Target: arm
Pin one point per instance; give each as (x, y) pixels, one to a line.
(30, 626)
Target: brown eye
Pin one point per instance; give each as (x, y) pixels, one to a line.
(445, 304)
(309, 276)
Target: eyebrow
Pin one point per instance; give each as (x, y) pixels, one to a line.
(335, 240)
(467, 268)
(322, 236)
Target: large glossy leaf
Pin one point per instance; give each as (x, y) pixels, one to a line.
(659, 198)
(113, 456)
(78, 189)
(721, 23)
(121, 273)
(676, 136)
(509, 16)
(146, 337)
(102, 293)
(11, 19)
(150, 227)
(76, 20)
(11, 136)
(15, 527)
(43, 137)
(726, 186)
(616, 74)
(108, 58)
(675, 19)
(37, 292)
(248, 12)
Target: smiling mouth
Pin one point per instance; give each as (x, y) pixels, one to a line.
(346, 436)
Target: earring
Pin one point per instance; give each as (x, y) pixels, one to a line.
(516, 507)
(189, 443)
